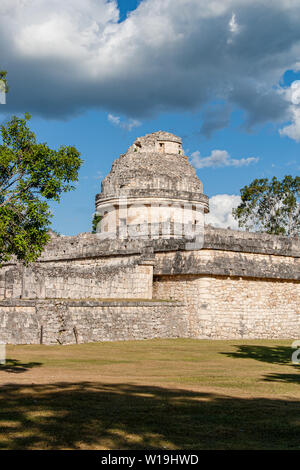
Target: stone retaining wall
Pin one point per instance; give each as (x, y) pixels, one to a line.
(239, 285)
(88, 278)
(220, 307)
(67, 322)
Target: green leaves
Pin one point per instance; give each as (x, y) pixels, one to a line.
(271, 206)
(3, 81)
(96, 219)
(30, 174)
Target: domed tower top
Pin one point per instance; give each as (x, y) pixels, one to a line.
(154, 165)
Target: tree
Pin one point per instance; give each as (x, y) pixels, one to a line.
(96, 219)
(3, 82)
(271, 206)
(31, 174)
(3, 79)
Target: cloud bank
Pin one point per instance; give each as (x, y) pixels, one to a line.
(66, 57)
(292, 95)
(218, 159)
(220, 214)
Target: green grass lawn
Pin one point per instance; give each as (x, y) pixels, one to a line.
(158, 394)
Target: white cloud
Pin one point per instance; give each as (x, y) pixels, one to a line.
(220, 214)
(219, 158)
(292, 95)
(233, 25)
(234, 28)
(127, 125)
(66, 57)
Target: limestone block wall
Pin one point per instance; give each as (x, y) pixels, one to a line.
(239, 285)
(6, 281)
(78, 279)
(228, 263)
(68, 322)
(223, 307)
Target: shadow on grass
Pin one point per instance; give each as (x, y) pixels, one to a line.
(272, 354)
(278, 355)
(124, 416)
(284, 378)
(17, 367)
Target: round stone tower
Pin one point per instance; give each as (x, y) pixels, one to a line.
(152, 191)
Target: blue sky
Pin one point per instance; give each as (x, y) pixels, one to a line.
(222, 103)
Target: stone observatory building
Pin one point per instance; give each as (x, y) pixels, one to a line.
(153, 269)
(151, 190)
